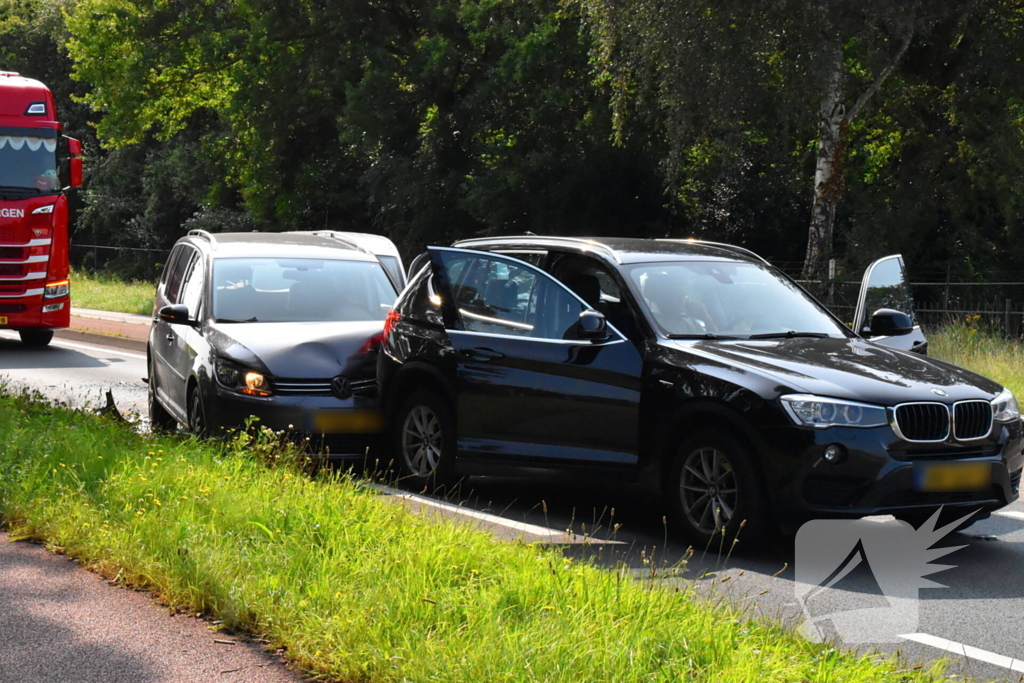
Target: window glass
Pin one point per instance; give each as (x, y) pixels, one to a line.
(496, 296)
(887, 288)
(29, 163)
(727, 299)
(192, 289)
(393, 268)
(300, 290)
(177, 273)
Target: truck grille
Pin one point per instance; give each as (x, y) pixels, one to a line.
(12, 289)
(972, 420)
(14, 253)
(923, 421)
(12, 308)
(11, 270)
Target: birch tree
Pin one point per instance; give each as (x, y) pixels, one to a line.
(714, 67)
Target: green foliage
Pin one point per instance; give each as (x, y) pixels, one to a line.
(356, 587)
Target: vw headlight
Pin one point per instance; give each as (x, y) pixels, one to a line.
(819, 412)
(240, 379)
(1004, 407)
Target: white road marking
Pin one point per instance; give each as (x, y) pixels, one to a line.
(88, 347)
(967, 651)
(532, 529)
(1010, 513)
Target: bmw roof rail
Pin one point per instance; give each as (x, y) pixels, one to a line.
(722, 245)
(574, 241)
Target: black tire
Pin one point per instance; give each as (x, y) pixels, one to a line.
(36, 338)
(159, 419)
(196, 412)
(713, 490)
(424, 440)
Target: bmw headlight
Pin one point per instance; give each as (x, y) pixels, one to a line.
(234, 376)
(819, 412)
(1004, 407)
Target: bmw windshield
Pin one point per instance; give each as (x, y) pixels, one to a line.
(728, 300)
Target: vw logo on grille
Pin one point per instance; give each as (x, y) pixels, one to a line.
(939, 392)
(341, 387)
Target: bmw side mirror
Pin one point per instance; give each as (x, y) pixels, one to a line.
(175, 315)
(592, 325)
(886, 322)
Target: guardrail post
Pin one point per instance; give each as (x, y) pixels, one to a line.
(1007, 304)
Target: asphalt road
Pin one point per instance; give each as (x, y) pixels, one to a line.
(979, 615)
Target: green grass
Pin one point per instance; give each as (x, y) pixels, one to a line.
(985, 353)
(110, 293)
(354, 586)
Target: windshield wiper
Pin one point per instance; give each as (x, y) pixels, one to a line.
(789, 334)
(229, 320)
(20, 192)
(703, 335)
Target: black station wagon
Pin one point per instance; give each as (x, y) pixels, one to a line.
(695, 366)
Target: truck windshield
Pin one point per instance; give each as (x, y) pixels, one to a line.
(29, 163)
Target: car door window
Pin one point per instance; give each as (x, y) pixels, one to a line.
(176, 273)
(192, 287)
(500, 296)
(884, 286)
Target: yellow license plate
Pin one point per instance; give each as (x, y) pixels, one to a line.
(347, 422)
(952, 477)
(3, 319)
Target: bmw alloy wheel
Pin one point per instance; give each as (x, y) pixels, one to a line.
(707, 489)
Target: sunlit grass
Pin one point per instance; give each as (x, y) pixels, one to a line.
(110, 293)
(357, 588)
(985, 353)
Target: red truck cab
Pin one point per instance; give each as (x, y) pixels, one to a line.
(37, 166)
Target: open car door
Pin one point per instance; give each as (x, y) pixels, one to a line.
(885, 309)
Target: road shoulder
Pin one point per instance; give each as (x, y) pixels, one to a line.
(59, 622)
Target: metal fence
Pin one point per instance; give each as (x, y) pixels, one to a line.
(142, 263)
(995, 306)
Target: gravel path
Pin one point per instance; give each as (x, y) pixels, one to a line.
(61, 623)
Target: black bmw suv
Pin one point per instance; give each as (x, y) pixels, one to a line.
(695, 366)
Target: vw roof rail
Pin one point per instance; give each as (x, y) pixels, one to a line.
(337, 235)
(722, 245)
(204, 234)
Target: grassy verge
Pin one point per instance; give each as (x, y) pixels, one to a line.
(110, 293)
(983, 352)
(356, 587)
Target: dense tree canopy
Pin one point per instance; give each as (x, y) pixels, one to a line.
(884, 126)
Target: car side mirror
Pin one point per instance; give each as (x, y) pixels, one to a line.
(592, 325)
(886, 322)
(175, 315)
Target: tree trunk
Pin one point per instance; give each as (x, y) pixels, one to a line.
(833, 120)
(828, 173)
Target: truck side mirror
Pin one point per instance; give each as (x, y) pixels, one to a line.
(74, 162)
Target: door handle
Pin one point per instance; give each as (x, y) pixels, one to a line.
(481, 353)
(169, 337)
